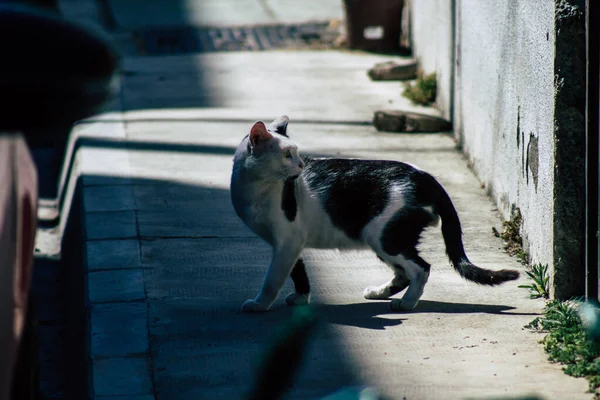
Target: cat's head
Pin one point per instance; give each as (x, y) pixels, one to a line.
(269, 151)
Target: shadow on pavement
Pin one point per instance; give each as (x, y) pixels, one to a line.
(107, 143)
(368, 315)
(377, 315)
(199, 264)
(428, 306)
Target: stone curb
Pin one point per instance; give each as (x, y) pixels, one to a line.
(118, 356)
(402, 121)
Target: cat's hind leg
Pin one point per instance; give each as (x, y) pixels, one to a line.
(302, 294)
(397, 245)
(395, 285)
(417, 270)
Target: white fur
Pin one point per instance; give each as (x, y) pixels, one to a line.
(256, 187)
(373, 230)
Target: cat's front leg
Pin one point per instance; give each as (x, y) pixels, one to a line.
(302, 294)
(284, 258)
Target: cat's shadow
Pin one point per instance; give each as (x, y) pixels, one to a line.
(377, 314)
(369, 315)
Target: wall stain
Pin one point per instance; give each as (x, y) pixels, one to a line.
(521, 140)
(532, 159)
(523, 170)
(518, 125)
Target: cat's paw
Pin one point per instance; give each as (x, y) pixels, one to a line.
(399, 305)
(296, 299)
(375, 293)
(251, 306)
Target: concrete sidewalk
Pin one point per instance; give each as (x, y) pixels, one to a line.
(169, 263)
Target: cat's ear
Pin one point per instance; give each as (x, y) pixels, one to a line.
(280, 125)
(259, 134)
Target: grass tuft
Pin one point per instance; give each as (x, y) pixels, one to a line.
(424, 89)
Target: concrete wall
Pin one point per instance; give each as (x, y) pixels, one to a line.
(505, 108)
(499, 82)
(432, 32)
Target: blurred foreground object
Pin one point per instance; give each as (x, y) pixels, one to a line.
(590, 317)
(18, 207)
(283, 359)
(359, 393)
(53, 73)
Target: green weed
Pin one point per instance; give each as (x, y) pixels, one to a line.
(423, 91)
(541, 282)
(567, 341)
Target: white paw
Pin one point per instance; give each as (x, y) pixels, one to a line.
(295, 299)
(251, 306)
(375, 293)
(399, 305)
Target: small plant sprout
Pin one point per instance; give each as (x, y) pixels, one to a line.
(540, 285)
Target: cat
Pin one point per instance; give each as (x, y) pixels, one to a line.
(295, 202)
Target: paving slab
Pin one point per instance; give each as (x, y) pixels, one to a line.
(125, 321)
(111, 225)
(113, 286)
(108, 198)
(135, 397)
(122, 377)
(113, 254)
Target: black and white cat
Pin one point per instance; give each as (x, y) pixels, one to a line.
(295, 203)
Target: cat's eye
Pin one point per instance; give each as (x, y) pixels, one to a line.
(288, 154)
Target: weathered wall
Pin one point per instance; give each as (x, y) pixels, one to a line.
(515, 105)
(504, 108)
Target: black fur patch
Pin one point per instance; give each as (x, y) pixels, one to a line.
(300, 278)
(402, 233)
(354, 191)
(288, 200)
(280, 126)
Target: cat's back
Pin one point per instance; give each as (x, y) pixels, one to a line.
(358, 178)
(352, 192)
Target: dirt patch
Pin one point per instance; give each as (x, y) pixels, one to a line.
(511, 236)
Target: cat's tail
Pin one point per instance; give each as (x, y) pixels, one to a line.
(452, 233)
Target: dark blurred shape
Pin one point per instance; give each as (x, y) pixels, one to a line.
(374, 25)
(47, 4)
(53, 72)
(283, 359)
